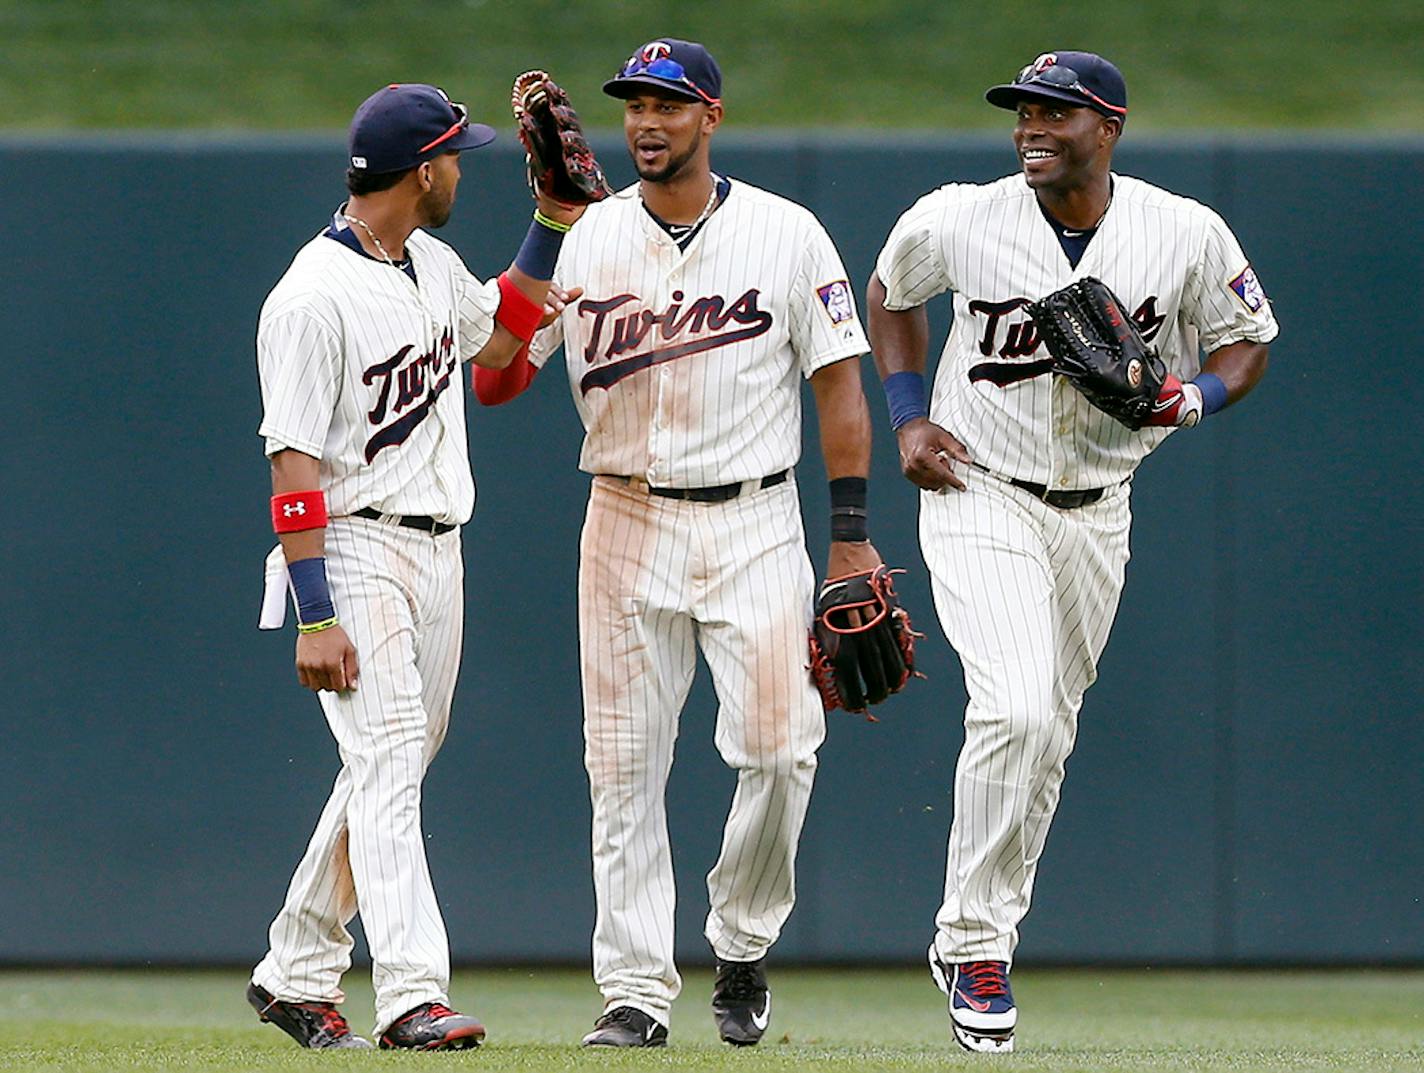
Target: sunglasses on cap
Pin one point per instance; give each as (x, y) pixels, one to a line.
(1060, 77)
(666, 69)
(462, 121)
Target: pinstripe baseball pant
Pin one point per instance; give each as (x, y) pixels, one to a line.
(1026, 595)
(657, 578)
(399, 595)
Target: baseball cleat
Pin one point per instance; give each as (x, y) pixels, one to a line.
(741, 1002)
(984, 1042)
(433, 1026)
(317, 1025)
(623, 1026)
(982, 1013)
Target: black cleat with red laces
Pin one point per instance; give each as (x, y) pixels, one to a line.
(317, 1025)
(433, 1026)
(982, 1013)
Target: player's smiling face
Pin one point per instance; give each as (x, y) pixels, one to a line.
(666, 133)
(1061, 146)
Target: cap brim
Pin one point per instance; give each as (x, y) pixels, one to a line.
(472, 137)
(623, 88)
(1008, 96)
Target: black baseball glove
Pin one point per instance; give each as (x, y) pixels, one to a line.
(1097, 346)
(561, 164)
(857, 663)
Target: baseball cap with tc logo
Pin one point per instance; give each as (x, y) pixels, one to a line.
(405, 124)
(1080, 78)
(683, 67)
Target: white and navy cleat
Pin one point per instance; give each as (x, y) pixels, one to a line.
(982, 1013)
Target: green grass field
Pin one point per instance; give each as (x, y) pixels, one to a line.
(302, 64)
(1080, 1020)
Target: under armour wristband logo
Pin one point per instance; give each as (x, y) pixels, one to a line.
(294, 511)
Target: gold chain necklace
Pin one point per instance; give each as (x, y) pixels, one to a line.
(687, 229)
(367, 228)
(707, 208)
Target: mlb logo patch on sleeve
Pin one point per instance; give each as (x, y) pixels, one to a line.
(836, 298)
(1248, 289)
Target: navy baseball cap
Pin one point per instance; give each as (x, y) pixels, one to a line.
(681, 67)
(405, 124)
(1081, 78)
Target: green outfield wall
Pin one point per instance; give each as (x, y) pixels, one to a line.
(1249, 779)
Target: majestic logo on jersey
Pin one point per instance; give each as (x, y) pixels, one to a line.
(679, 332)
(407, 391)
(836, 298)
(1248, 288)
(1019, 339)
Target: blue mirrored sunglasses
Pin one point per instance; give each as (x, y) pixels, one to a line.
(666, 69)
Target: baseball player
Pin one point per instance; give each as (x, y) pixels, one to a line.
(1025, 511)
(358, 349)
(705, 301)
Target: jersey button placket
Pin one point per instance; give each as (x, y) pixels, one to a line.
(657, 454)
(1060, 423)
(662, 374)
(662, 427)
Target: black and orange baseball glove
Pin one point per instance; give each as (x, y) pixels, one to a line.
(561, 164)
(862, 643)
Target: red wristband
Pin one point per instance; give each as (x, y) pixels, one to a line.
(517, 311)
(496, 386)
(294, 511)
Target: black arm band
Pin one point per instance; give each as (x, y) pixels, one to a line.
(849, 516)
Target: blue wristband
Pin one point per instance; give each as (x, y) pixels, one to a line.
(905, 392)
(1213, 392)
(309, 588)
(539, 251)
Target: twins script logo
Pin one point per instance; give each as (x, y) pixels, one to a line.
(406, 391)
(1019, 339)
(679, 332)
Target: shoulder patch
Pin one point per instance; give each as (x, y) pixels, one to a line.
(1248, 289)
(836, 298)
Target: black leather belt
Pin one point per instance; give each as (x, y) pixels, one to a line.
(1062, 500)
(717, 493)
(410, 521)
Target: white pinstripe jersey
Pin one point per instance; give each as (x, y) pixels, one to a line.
(684, 365)
(360, 367)
(1172, 261)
